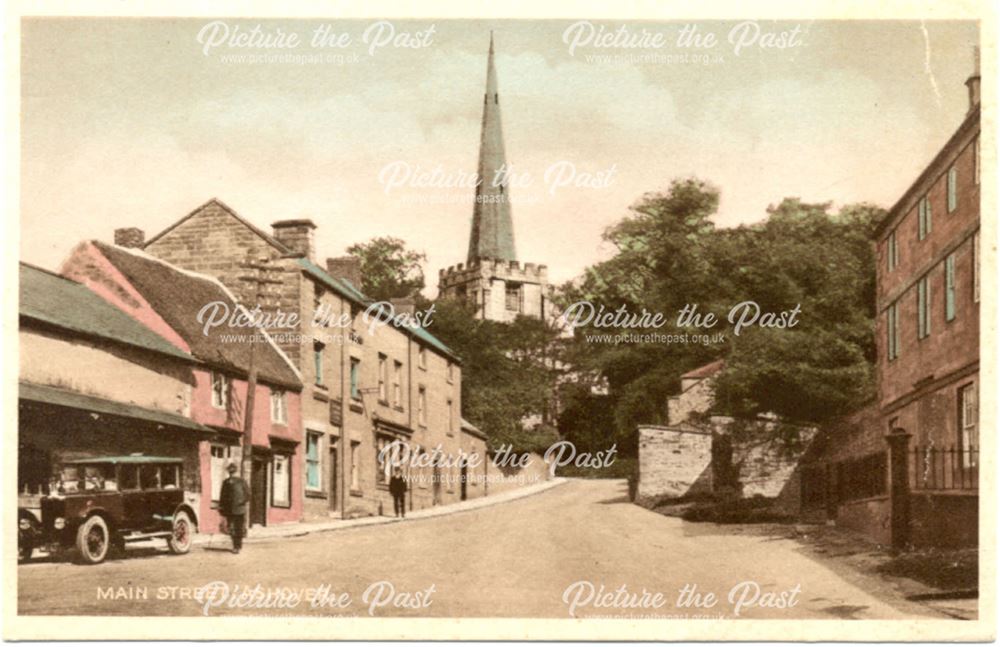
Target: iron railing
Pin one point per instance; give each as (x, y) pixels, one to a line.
(944, 468)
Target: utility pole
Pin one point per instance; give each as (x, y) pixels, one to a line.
(256, 278)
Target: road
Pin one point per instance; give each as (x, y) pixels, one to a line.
(514, 559)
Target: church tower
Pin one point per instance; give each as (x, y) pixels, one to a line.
(492, 279)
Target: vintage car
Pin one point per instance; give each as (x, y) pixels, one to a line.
(96, 505)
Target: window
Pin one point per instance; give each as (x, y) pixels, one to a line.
(923, 307)
(220, 458)
(923, 218)
(451, 419)
(892, 251)
(170, 477)
(383, 378)
(355, 378)
(314, 465)
(128, 477)
(892, 331)
(451, 372)
(383, 468)
(975, 266)
(279, 407)
(220, 391)
(976, 161)
(952, 189)
(513, 297)
(397, 384)
(422, 406)
(968, 411)
(422, 357)
(318, 348)
(149, 477)
(281, 481)
(949, 287)
(355, 457)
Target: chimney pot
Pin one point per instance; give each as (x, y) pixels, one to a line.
(297, 235)
(345, 267)
(973, 81)
(130, 237)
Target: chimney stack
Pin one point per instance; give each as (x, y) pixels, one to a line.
(130, 237)
(973, 81)
(345, 267)
(296, 235)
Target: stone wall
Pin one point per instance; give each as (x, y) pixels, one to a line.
(673, 463)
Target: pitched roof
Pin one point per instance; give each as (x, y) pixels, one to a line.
(346, 289)
(708, 370)
(178, 295)
(56, 301)
(215, 202)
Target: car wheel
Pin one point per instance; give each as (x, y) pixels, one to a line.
(25, 546)
(180, 539)
(93, 539)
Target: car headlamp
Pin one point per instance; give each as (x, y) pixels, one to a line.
(59, 523)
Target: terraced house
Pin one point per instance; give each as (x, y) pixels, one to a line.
(365, 385)
(166, 300)
(906, 469)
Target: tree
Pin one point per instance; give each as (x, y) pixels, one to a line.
(670, 254)
(504, 376)
(388, 269)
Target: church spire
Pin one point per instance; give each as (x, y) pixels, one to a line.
(492, 233)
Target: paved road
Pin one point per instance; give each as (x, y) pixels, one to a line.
(515, 559)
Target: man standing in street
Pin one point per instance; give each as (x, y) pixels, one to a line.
(397, 488)
(233, 500)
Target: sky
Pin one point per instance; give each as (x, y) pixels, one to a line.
(136, 122)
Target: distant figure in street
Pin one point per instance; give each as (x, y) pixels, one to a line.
(397, 488)
(233, 506)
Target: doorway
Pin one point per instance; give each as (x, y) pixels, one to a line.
(463, 478)
(334, 489)
(258, 492)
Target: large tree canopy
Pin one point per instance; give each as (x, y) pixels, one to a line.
(801, 259)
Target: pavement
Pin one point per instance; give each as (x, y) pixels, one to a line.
(265, 533)
(578, 548)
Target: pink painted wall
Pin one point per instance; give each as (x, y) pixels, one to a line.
(202, 411)
(87, 265)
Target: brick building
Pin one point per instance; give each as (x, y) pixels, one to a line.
(167, 301)
(364, 385)
(920, 486)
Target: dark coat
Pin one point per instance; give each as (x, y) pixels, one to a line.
(234, 497)
(397, 486)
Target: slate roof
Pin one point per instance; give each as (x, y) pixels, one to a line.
(177, 296)
(56, 301)
(346, 289)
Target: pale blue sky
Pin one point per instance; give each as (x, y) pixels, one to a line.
(128, 123)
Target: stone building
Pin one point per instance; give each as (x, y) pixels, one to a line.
(698, 453)
(167, 301)
(906, 469)
(365, 384)
(499, 287)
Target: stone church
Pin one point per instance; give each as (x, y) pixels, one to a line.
(492, 279)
